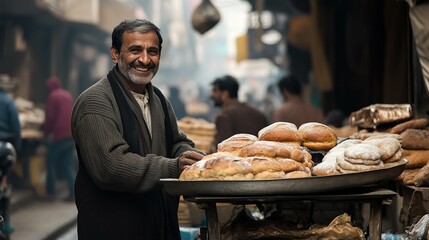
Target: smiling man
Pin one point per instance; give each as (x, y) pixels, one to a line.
(127, 139)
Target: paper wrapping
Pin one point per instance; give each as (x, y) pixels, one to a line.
(376, 114)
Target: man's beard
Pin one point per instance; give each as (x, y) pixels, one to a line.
(136, 79)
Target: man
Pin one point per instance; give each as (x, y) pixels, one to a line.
(10, 132)
(294, 109)
(57, 131)
(127, 139)
(234, 117)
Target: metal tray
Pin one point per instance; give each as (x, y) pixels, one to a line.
(309, 185)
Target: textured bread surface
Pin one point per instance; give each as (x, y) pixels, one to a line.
(417, 139)
(413, 123)
(388, 146)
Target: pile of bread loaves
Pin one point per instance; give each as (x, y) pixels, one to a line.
(415, 142)
(279, 151)
(357, 155)
(199, 130)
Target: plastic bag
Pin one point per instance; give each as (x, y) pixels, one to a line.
(205, 17)
(419, 230)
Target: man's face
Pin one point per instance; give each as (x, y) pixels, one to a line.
(139, 58)
(217, 96)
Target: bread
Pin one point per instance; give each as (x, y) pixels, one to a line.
(235, 143)
(363, 151)
(280, 132)
(328, 166)
(273, 150)
(259, 148)
(297, 174)
(422, 177)
(416, 158)
(413, 123)
(289, 165)
(225, 167)
(270, 175)
(396, 157)
(388, 146)
(417, 139)
(261, 164)
(317, 136)
(345, 166)
(216, 166)
(362, 135)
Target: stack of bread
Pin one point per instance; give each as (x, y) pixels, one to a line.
(200, 131)
(277, 152)
(415, 141)
(356, 155)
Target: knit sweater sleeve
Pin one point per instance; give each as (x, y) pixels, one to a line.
(97, 128)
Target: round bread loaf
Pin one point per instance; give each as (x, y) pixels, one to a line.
(317, 136)
(280, 132)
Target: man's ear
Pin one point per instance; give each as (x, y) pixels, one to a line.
(114, 55)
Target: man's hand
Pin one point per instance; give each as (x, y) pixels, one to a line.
(188, 158)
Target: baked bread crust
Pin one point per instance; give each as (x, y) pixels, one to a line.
(416, 158)
(281, 132)
(417, 139)
(317, 136)
(413, 123)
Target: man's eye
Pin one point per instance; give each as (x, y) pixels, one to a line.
(153, 51)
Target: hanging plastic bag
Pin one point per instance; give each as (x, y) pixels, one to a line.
(205, 17)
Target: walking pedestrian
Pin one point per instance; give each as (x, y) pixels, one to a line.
(57, 131)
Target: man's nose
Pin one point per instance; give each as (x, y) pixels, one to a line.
(144, 58)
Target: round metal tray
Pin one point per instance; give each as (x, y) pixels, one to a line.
(309, 185)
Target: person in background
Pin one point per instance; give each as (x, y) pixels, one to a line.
(235, 116)
(10, 132)
(294, 109)
(127, 139)
(177, 102)
(61, 153)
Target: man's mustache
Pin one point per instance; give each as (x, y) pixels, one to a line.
(141, 65)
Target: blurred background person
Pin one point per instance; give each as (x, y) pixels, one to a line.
(57, 130)
(271, 101)
(294, 109)
(234, 116)
(10, 132)
(177, 102)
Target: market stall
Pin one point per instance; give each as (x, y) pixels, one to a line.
(277, 167)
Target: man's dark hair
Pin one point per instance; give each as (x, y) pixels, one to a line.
(290, 83)
(133, 25)
(227, 83)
